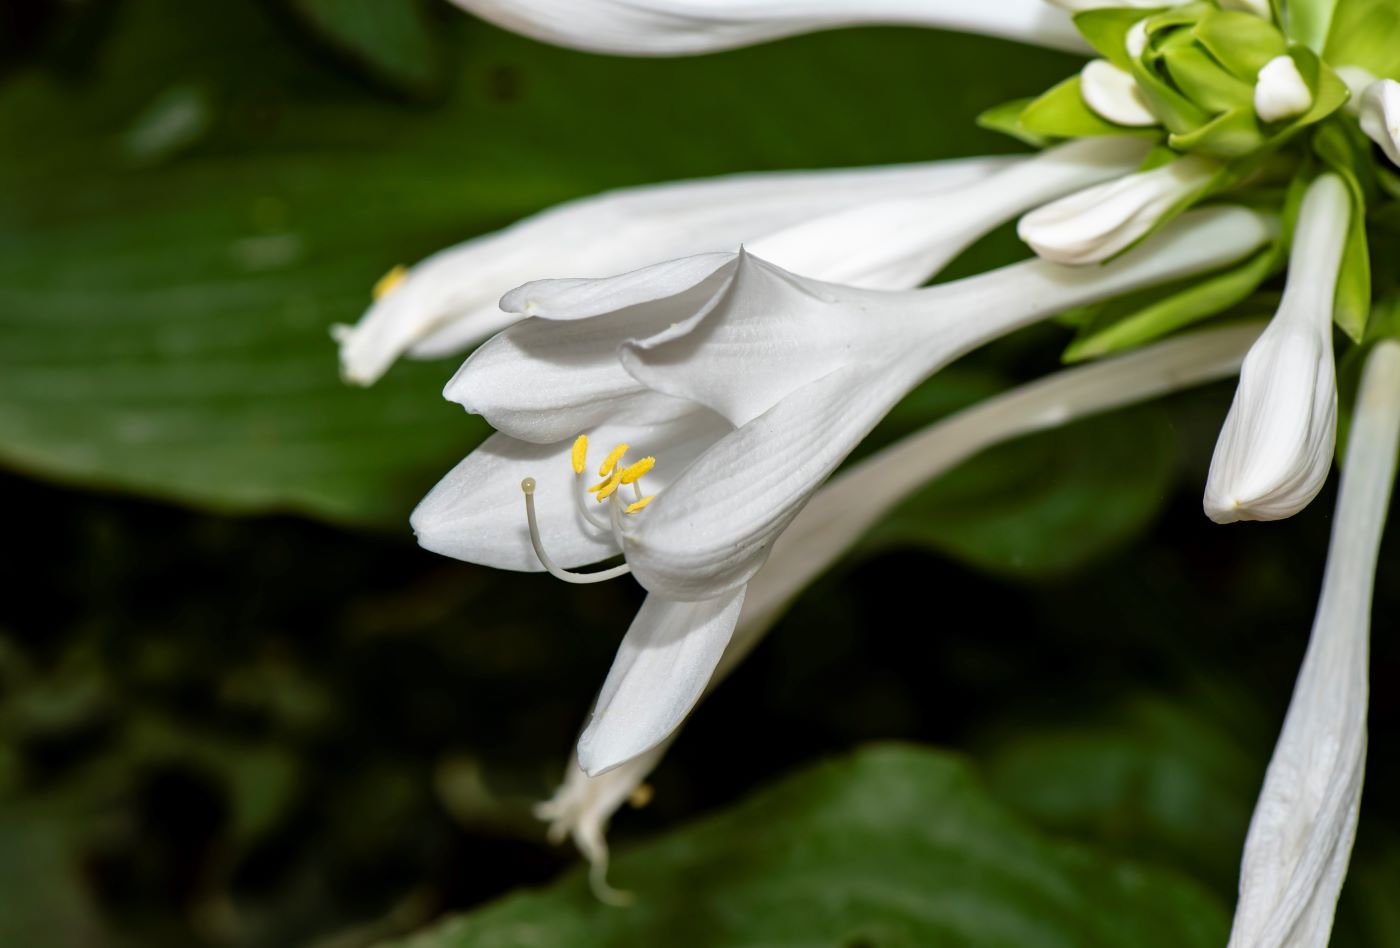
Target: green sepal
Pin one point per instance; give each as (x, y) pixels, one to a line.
(1177, 112)
(1310, 21)
(1241, 42)
(1366, 33)
(1142, 317)
(1330, 93)
(1231, 135)
(1107, 31)
(1204, 81)
(1353, 300)
(1006, 118)
(1062, 113)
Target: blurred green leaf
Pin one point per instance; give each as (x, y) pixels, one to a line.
(1046, 504)
(45, 903)
(195, 206)
(393, 39)
(892, 846)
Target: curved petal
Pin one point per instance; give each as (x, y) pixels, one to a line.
(662, 667)
(1300, 838)
(1380, 116)
(688, 27)
(447, 303)
(477, 512)
(544, 381)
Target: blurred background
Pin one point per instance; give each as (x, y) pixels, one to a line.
(240, 707)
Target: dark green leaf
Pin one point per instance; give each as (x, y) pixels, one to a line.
(893, 846)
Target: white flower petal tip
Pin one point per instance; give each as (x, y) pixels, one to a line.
(1281, 92)
(1300, 838)
(1260, 8)
(662, 667)
(1113, 94)
(1275, 448)
(1380, 116)
(1099, 222)
(688, 27)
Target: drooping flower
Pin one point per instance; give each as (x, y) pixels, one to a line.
(1275, 448)
(1300, 838)
(852, 502)
(687, 27)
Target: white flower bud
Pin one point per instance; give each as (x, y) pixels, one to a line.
(1281, 92)
(1259, 8)
(1380, 116)
(1136, 40)
(1275, 448)
(1097, 223)
(1113, 94)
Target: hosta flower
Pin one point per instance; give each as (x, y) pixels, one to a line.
(679, 401)
(1301, 836)
(853, 501)
(1275, 449)
(681, 27)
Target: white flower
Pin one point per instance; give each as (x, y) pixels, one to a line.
(1113, 94)
(1099, 222)
(1380, 116)
(1300, 838)
(1281, 92)
(684, 27)
(1275, 448)
(447, 303)
(842, 511)
(1260, 8)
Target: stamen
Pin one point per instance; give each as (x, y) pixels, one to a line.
(633, 508)
(634, 472)
(613, 480)
(528, 486)
(385, 284)
(580, 453)
(610, 487)
(611, 460)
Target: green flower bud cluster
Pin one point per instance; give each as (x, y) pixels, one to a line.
(1265, 100)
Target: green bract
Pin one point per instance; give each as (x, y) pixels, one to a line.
(1197, 68)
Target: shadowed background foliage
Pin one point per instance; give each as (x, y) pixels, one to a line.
(239, 707)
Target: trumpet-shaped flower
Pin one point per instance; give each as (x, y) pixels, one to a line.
(1380, 116)
(845, 509)
(1275, 448)
(447, 303)
(1301, 835)
(687, 27)
(1097, 223)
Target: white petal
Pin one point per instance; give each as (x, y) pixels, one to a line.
(447, 303)
(543, 380)
(903, 241)
(1380, 116)
(1113, 94)
(1260, 8)
(1095, 224)
(1275, 448)
(477, 512)
(1281, 91)
(684, 27)
(1304, 824)
(662, 667)
(711, 529)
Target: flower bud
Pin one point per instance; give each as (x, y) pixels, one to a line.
(1380, 116)
(1097, 223)
(1113, 94)
(1281, 92)
(1275, 449)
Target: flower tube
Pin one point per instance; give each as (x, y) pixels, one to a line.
(1300, 838)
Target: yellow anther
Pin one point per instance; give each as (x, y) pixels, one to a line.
(641, 796)
(609, 487)
(633, 508)
(580, 453)
(634, 472)
(611, 460)
(388, 281)
(605, 482)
